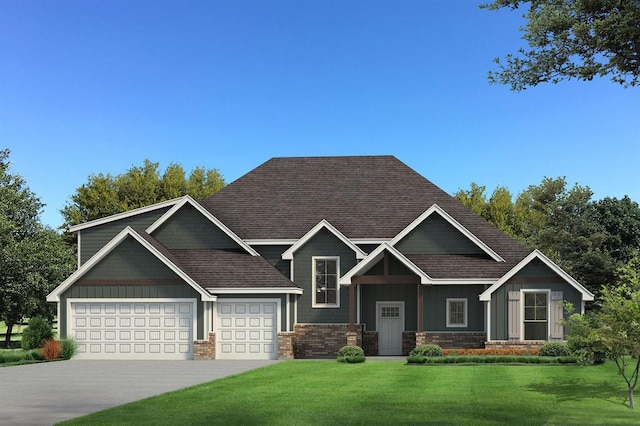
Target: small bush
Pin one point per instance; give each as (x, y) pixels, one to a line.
(490, 351)
(69, 347)
(584, 357)
(37, 332)
(16, 356)
(351, 354)
(427, 350)
(416, 359)
(52, 349)
(554, 349)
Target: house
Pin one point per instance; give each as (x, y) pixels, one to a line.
(301, 256)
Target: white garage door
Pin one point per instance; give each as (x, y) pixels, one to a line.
(247, 329)
(133, 329)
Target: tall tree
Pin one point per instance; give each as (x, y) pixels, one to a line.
(105, 195)
(573, 39)
(33, 258)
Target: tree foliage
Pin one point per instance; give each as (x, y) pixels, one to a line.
(573, 39)
(589, 239)
(105, 195)
(33, 258)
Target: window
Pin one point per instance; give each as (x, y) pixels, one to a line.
(325, 281)
(456, 312)
(535, 315)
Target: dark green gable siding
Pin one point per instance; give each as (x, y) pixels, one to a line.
(324, 243)
(130, 271)
(93, 239)
(536, 275)
(189, 229)
(435, 307)
(273, 254)
(370, 294)
(436, 236)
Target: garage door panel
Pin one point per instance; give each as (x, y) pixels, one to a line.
(246, 330)
(133, 330)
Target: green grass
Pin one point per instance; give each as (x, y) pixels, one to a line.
(380, 393)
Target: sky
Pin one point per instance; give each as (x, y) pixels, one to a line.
(89, 87)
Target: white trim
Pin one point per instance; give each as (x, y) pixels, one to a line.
(375, 256)
(522, 306)
(314, 304)
(465, 301)
(54, 296)
(79, 254)
(123, 215)
(288, 254)
(536, 254)
(287, 307)
(446, 216)
(488, 321)
(376, 241)
(188, 200)
(270, 242)
(254, 290)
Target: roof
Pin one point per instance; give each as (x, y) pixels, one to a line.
(365, 197)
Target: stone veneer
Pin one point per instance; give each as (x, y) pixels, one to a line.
(446, 340)
(370, 343)
(286, 345)
(320, 340)
(205, 349)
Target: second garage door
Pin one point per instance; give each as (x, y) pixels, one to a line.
(133, 329)
(247, 329)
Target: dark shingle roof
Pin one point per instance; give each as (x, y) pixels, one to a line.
(363, 197)
(459, 266)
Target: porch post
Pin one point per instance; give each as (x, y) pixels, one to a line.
(352, 307)
(420, 307)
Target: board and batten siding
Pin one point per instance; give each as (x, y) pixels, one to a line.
(189, 229)
(94, 238)
(435, 307)
(535, 276)
(436, 236)
(273, 254)
(324, 243)
(370, 294)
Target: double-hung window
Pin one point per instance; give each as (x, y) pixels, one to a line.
(456, 312)
(326, 271)
(535, 315)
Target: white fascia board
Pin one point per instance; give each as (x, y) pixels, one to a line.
(537, 254)
(188, 200)
(54, 296)
(375, 257)
(274, 290)
(446, 216)
(126, 214)
(270, 242)
(376, 241)
(288, 255)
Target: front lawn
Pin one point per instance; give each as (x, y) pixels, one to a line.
(390, 392)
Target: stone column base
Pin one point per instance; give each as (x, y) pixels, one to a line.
(205, 349)
(286, 345)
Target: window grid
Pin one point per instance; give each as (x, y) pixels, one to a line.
(326, 282)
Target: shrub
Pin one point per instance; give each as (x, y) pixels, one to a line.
(427, 350)
(52, 349)
(490, 351)
(69, 347)
(37, 332)
(351, 354)
(416, 359)
(554, 349)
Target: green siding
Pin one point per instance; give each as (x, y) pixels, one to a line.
(273, 254)
(370, 294)
(436, 236)
(283, 305)
(435, 307)
(189, 229)
(324, 243)
(93, 239)
(536, 275)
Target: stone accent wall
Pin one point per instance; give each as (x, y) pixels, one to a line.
(455, 340)
(512, 344)
(320, 340)
(205, 349)
(286, 345)
(370, 343)
(354, 338)
(408, 341)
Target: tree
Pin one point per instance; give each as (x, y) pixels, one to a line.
(570, 39)
(33, 258)
(105, 195)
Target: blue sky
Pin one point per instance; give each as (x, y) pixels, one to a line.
(90, 87)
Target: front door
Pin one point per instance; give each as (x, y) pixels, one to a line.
(390, 327)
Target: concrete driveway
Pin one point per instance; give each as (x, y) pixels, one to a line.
(47, 393)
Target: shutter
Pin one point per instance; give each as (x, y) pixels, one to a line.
(514, 315)
(556, 315)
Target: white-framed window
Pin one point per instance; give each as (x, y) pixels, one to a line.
(326, 271)
(456, 312)
(536, 315)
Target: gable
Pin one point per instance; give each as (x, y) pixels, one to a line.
(325, 243)
(535, 271)
(187, 228)
(434, 235)
(395, 267)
